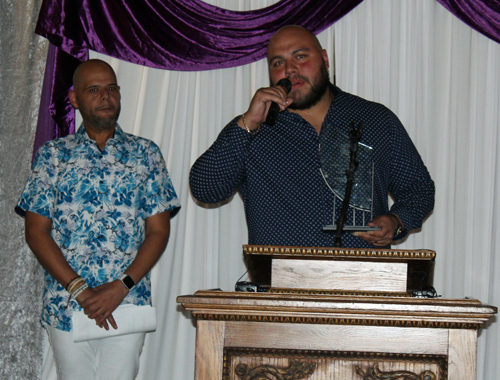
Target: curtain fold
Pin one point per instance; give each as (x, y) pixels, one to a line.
(56, 116)
(186, 35)
(481, 15)
(22, 62)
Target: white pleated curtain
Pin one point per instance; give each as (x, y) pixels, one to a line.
(437, 74)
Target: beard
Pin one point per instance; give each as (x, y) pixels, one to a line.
(318, 89)
(101, 123)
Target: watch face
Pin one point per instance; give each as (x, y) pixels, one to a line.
(128, 282)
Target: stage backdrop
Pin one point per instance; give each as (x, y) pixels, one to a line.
(437, 74)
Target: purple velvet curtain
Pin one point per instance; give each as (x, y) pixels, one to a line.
(187, 35)
(481, 15)
(56, 115)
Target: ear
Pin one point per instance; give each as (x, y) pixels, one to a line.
(324, 54)
(72, 98)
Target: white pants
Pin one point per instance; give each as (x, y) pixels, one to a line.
(114, 358)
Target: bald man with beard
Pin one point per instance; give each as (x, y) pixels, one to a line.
(97, 209)
(276, 167)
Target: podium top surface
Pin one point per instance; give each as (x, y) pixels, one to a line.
(265, 307)
(332, 253)
(322, 301)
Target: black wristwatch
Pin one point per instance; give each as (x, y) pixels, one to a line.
(127, 281)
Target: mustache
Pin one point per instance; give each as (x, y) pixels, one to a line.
(106, 106)
(298, 76)
(292, 78)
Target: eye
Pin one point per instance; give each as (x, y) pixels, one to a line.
(93, 90)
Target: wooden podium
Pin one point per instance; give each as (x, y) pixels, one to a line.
(339, 314)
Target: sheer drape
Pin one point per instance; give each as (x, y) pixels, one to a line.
(438, 75)
(442, 79)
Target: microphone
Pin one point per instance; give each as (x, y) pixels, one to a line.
(274, 110)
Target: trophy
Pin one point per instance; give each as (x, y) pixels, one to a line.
(348, 170)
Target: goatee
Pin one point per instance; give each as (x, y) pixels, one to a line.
(102, 123)
(318, 89)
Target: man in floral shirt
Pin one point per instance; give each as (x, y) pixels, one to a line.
(97, 205)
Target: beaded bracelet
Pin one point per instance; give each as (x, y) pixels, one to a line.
(79, 291)
(74, 284)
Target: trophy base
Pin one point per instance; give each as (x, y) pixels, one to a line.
(332, 227)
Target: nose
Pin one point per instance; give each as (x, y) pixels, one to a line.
(290, 68)
(104, 94)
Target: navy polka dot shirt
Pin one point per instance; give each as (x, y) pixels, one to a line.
(277, 172)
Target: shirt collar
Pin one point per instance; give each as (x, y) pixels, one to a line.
(335, 90)
(82, 136)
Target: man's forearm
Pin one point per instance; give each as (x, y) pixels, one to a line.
(415, 204)
(43, 246)
(218, 172)
(149, 253)
(154, 244)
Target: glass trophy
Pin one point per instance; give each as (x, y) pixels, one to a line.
(335, 156)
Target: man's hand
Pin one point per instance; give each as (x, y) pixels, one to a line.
(260, 104)
(384, 236)
(100, 302)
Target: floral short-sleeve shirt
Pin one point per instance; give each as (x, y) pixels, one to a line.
(98, 202)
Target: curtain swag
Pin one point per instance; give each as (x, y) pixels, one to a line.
(183, 35)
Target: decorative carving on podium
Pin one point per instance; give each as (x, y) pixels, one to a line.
(297, 370)
(337, 321)
(340, 252)
(374, 373)
(290, 364)
(338, 292)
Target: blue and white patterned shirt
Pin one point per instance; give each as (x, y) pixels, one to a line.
(98, 202)
(277, 171)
